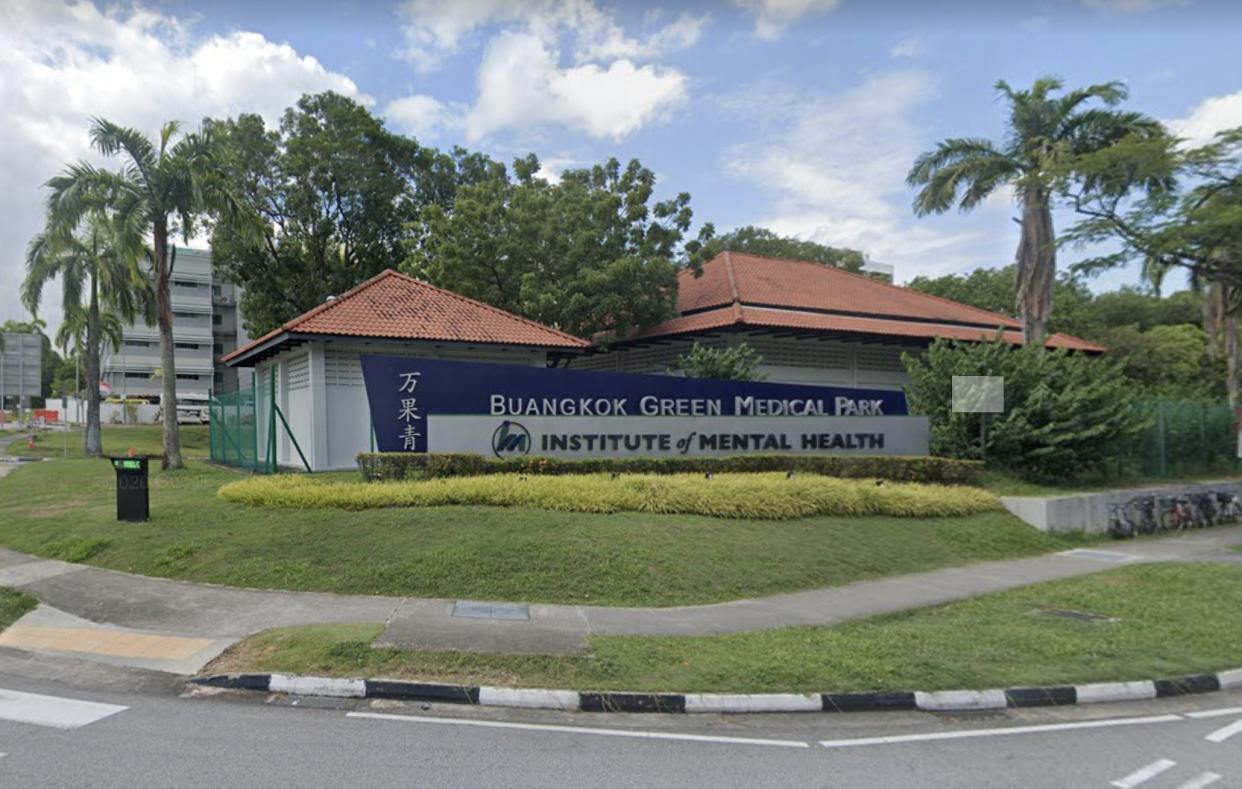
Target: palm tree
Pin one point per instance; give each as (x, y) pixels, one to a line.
(101, 262)
(1036, 158)
(161, 190)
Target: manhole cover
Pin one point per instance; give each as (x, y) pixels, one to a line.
(470, 609)
(1081, 615)
(1103, 556)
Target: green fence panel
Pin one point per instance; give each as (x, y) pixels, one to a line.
(1179, 439)
(235, 439)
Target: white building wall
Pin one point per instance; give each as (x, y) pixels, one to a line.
(323, 397)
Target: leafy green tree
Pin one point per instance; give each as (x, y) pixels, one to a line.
(591, 254)
(336, 194)
(162, 189)
(761, 241)
(1038, 157)
(735, 363)
(1065, 413)
(1196, 229)
(97, 267)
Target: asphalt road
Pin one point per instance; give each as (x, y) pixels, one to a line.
(150, 738)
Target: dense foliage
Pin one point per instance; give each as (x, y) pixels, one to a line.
(387, 466)
(334, 191)
(1159, 342)
(590, 254)
(735, 363)
(1065, 413)
(761, 241)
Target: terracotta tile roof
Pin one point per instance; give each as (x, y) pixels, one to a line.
(737, 290)
(798, 285)
(763, 317)
(394, 306)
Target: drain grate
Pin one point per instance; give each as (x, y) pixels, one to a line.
(472, 609)
(1103, 556)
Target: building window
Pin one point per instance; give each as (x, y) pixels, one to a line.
(180, 283)
(218, 380)
(136, 344)
(186, 377)
(217, 320)
(218, 348)
(193, 316)
(215, 290)
(140, 376)
(187, 346)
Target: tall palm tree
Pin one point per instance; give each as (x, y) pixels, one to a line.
(161, 190)
(1045, 134)
(99, 262)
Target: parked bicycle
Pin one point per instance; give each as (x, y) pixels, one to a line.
(1119, 523)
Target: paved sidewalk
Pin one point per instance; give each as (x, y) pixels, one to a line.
(174, 626)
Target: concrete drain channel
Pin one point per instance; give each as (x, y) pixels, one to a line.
(472, 609)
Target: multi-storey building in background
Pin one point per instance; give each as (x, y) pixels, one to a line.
(206, 327)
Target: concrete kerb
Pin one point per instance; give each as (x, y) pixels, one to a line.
(603, 701)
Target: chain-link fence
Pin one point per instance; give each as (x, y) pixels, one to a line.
(240, 425)
(1180, 439)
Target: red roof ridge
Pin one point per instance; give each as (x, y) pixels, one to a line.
(728, 263)
(732, 281)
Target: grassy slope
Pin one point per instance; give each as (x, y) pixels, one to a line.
(66, 509)
(1170, 620)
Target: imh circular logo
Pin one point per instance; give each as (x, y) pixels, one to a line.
(510, 439)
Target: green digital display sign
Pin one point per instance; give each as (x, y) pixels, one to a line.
(128, 463)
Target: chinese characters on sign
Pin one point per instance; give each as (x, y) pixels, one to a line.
(409, 412)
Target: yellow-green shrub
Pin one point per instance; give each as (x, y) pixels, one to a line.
(758, 496)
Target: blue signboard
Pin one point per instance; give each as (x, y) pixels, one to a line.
(426, 405)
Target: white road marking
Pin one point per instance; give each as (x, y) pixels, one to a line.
(955, 735)
(1144, 774)
(1220, 713)
(52, 710)
(1200, 781)
(1220, 735)
(641, 735)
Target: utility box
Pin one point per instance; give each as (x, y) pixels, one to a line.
(132, 500)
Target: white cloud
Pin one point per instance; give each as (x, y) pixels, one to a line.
(62, 64)
(773, 16)
(521, 85)
(436, 30)
(549, 63)
(834, 168)
(424, 117)
(1212, 115)
(909, 48)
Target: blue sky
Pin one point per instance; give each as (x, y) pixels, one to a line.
(799, 115)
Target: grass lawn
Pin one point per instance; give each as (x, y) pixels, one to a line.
(14, 605)
(1170, 619)
(117, 440)
(66, 510)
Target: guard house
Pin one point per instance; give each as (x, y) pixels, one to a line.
(312, 361)
(813, 324)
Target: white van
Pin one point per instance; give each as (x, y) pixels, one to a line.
(193, 409)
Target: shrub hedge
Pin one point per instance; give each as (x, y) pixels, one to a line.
(763, 496)
(396, 466)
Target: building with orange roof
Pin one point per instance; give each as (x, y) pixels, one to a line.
(312, 362)
(811, 323)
